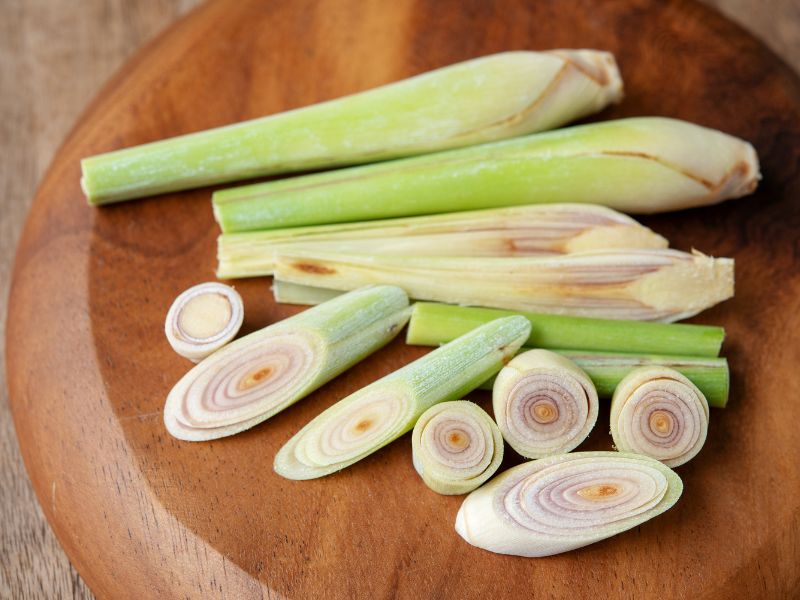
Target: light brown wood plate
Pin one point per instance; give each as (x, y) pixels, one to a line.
(145, 516)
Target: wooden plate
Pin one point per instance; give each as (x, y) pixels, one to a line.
(143, 515)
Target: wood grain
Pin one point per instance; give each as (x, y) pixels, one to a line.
(46, 41)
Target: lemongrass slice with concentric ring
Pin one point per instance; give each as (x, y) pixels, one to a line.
(260, 374)
(544, 404)
(203, 319)
(567, 501)
(658, 412)
(386, 409)
(456, 447)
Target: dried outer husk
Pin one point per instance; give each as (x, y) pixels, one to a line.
(515, 231)
(567, 501)
(657, 412)
(645, 285)
(544, 404)
(367, 420)
(456, 447)
(264, 372)
(489, 98)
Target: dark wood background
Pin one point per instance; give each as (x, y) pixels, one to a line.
(54, 56)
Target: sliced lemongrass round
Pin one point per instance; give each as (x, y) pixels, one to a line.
(658, 412)
(203, 319)
(456, 447)
(567, 501)
(260, 374)
(544, 404)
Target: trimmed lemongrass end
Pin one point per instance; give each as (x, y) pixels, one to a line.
(259, 375)
(659, 413)
(568, 501)
(370, 418)
(433, 324)
(544, 404)
(544, 229)
(203, 319)
(643, 285)
(488, 98)
(637, 165)
(456, 447)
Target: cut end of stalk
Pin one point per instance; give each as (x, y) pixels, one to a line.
(350, 431)
(203, 319)
(657, 412)
(456, 447)
(598, 495)
(544, 404)
(600, 67)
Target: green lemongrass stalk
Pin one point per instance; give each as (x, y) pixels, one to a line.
(639, 165)
(563, 502)
(659, 413)
(489, 98)
(433, 324)
(515, 231)
(259, 375)
(544, 404)
(456, 447)
(608, 369)
(372, 417)
(304, 295)
(646, 285)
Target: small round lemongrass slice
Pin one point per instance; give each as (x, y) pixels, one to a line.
(456, 447)
(544, 404)
(563, 502)
(203, 319)
(658, 412)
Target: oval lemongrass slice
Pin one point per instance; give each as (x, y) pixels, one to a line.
(544, 403)
(260, 374)
(203, 319)
(563, 502)
(386, 409)
(658, 412)
(456, 447)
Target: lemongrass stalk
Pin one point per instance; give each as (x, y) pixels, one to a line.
(260, 374)
(638, 165)
(367, 420)
(489, 98)
(203, 319)
(544, 404)
(659, 413)
(516, 231)
(292, 293)
(608, 369)
(456, 447)
(646, 285)
(568, 501)
(433, 324)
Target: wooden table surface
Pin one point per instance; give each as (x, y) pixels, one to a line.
(53, 59)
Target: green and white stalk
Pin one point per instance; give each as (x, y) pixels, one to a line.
(544, 404)
(645, 285)
(568, 501)
(456, 447)
(659, 413)
(303, 295)
(489, 98)
(367, 420)
(638, 165)
(260, 374)
(433, 324)
(516, 231)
